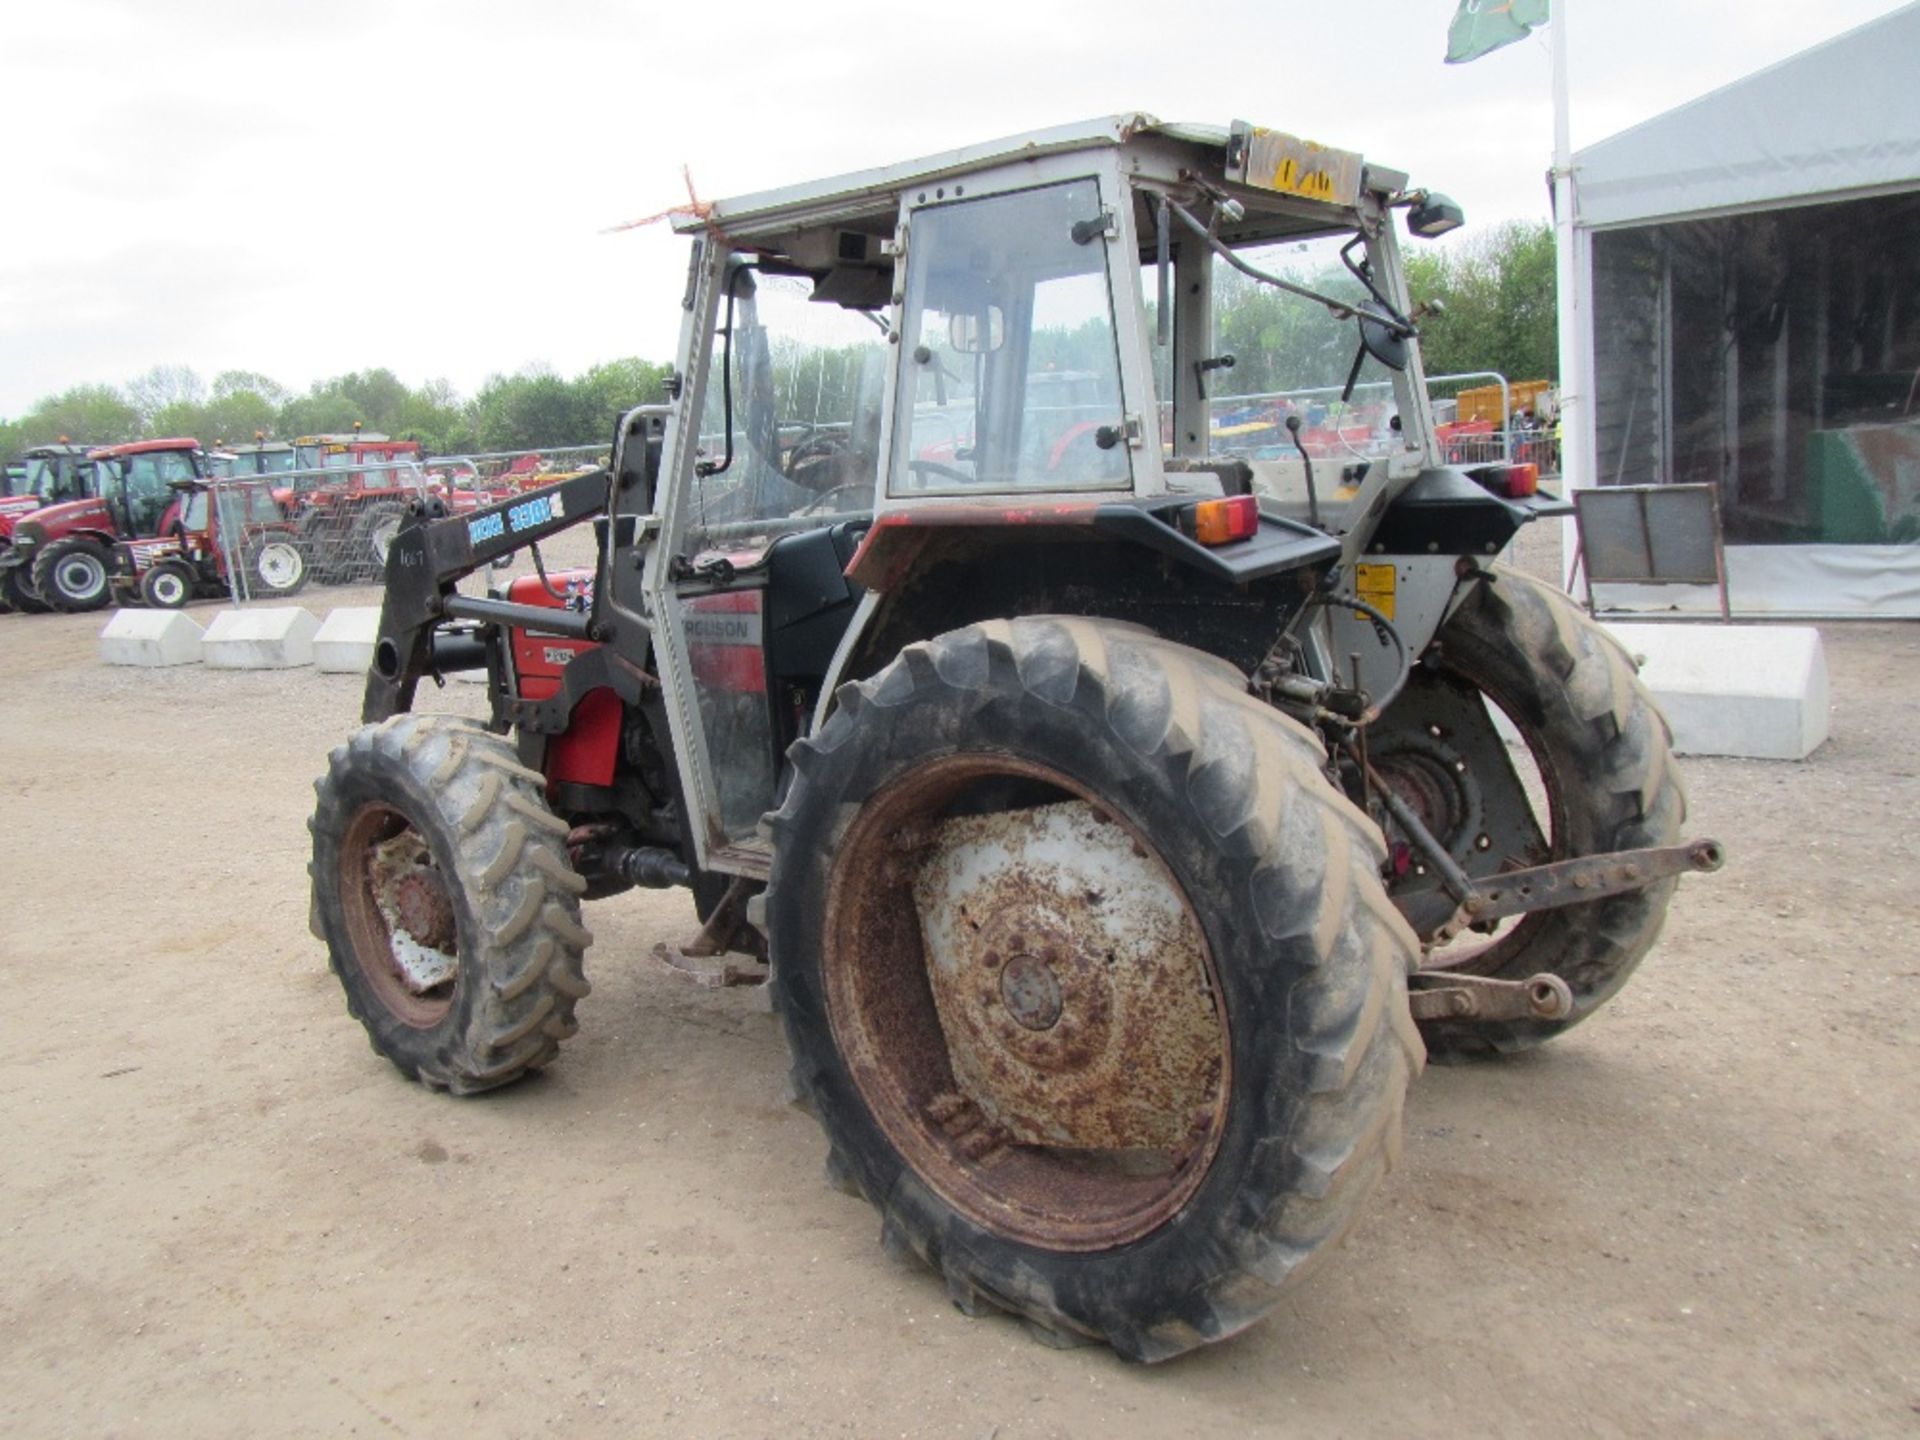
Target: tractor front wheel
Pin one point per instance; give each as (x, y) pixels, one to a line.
(1088, 975)
(73, 575)
(17, 580)
(442, 889)
(167, 586)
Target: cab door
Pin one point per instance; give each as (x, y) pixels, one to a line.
(776, 433)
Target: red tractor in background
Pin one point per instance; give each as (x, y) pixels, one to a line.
(211, 533)
(348, 525)
(63, 553)
(50, 475)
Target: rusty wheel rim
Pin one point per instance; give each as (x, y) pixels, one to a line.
(1425, 786)
(1056, 1066)
(401, 925)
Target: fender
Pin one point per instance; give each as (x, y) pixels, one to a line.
(933, 569)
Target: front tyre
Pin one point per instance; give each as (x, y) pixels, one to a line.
(442, 889)
(167, 586)
(73, 575)
(1088, 975)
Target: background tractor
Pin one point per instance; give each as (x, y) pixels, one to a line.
(349, 501)
(1120, 824)
(49, 475)
(212, 532)
(63, 554)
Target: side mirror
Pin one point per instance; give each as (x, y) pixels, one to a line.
(1383, 343)
(1434, 217)
(977, 334)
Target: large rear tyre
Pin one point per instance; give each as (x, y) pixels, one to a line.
(1599, 747)
(450, 913)
(276, 565)
(73, 575)
(373, 535)
(322, 536)
(1088, 975)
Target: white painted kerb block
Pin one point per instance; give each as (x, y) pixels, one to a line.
(344, 642)
(1758, 691)
(150, 637)
(260, 638)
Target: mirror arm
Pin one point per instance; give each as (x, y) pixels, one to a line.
(1224, 251)
(1407, 329)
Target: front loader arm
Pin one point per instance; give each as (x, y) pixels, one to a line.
(430, 557)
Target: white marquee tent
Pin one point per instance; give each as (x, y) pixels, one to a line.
(1747, 287)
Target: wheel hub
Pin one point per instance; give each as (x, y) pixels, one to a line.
(279, 566)
(423, 937)
(1070, 980)
(1030, 993)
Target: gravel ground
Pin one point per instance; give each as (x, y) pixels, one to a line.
(223, 1215)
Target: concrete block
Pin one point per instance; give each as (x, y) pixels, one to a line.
(150, 637)
(261, 637)
(344, 642)
(1756, 691)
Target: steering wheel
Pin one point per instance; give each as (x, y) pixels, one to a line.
(945, 472)
(812, 462)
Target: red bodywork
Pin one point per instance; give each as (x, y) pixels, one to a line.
(724, 646)
(93, 516)
(585, 754)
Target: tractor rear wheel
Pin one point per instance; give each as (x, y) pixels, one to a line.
(1597, 748)
(322, 535)
(167, 586)
(442, 889)
(276, 565)
(373, 536)
(73, 575)
(1088, 975)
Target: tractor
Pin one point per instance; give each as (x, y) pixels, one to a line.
(214, 530)
(348, 514)
(63, 554)
(49, 475)
(1115, 826)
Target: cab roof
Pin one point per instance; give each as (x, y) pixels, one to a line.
(142, 447)
(861, 191)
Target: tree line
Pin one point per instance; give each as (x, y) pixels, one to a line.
(525, 411)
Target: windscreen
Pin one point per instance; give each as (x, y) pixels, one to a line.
(1292, 356)
(1010, 373)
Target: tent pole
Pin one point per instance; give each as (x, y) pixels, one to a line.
(1576, 409)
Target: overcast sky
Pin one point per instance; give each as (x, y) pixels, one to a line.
(305, 189)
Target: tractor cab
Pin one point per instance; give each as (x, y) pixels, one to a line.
(1048, 337)
(50, 475)
(263, 457)
(139, 481)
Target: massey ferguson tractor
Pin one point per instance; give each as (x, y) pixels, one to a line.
(1117, 827)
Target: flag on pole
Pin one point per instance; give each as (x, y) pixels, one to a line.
(1480, 26)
